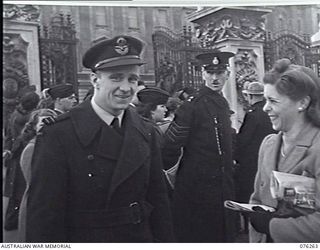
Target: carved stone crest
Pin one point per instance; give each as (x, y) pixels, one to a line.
(21, 12)
(228, 26)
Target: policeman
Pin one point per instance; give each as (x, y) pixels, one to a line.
(256, 125)
(97, 174)
(202, 127)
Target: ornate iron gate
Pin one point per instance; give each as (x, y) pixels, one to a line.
(174, 59)
(288, 45)
(58, 58)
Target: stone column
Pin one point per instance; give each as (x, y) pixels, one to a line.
(21, 62)
(239, 30)
(21, 44)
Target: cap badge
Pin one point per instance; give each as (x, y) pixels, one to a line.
(215, 60)
(121, 47)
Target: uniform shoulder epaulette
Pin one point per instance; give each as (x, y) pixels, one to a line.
(50, 120)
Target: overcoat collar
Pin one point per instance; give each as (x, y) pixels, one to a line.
(295, 153)
(214, 96)
(135, 147)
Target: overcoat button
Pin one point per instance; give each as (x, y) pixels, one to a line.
(90, 157)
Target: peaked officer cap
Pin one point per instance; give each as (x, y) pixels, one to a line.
(118, 51)
(153, 95)
(215, 60)
(254, 88)
(61, 91)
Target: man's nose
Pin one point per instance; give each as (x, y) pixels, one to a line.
(125, 86)
(214, 76)
(266, 107)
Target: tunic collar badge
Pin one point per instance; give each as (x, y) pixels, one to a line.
(121, 46)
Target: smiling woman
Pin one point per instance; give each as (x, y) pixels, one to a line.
(292, 95)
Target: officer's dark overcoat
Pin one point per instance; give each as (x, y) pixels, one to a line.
(204, 179)
(84, 183)
(255, 127)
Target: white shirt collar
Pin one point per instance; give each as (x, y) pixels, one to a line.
(104, 115)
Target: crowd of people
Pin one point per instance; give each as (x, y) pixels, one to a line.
(99, 171)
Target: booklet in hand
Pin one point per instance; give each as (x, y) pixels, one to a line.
(245, 207)
(296, 190)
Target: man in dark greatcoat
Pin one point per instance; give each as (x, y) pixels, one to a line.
(256, 125)
(202, 127)
(97, 170)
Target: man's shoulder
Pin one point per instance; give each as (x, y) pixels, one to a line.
(50, 121)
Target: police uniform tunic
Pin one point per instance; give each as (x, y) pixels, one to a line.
(92, 184)
(204, 180)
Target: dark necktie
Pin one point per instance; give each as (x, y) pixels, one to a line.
(115, 124)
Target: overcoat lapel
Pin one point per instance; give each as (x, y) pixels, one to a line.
(86, 122)
(299, 150)
(134, 152)
(271, 154)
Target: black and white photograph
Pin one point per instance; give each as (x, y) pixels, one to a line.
(137, 122)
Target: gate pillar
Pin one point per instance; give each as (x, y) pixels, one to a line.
(21, 66)
(240, 30)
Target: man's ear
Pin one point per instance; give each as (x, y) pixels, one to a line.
(94, 80)
(57, 100)
(203, 72)
(227, 73)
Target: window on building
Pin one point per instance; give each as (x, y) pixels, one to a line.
(100, 15)
(299, 26)
(133, 17)
(281, 23)
(162, 17)
(290, 24)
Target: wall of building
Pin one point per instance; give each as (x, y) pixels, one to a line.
(303, 20)
(92, 22)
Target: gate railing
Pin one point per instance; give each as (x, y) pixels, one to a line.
(174, 59)
(290, 45)
(58, 58)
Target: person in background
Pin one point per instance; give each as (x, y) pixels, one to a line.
(185, 93)
(97, 169)
(30, 130)
(202, 128)
(135, 100)
(292, 96)
(172, 105)
(14, 185)
(63, 97)
(255, 127)
(152, 106)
